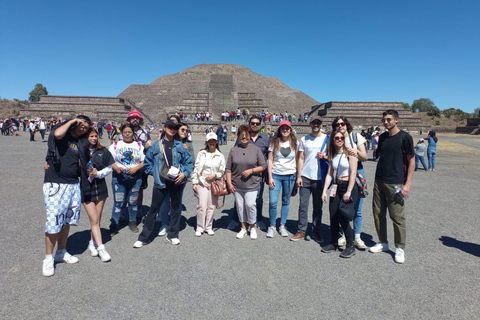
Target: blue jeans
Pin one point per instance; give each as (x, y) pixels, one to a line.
(358, 217)
(421, 159)
(286, 182)
(125, 189)
(431, 159)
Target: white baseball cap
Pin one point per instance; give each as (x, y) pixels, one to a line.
(210, 136)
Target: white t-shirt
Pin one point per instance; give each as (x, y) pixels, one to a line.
(284, 159)
(127, 155)
(43, 125)
(360, 140)
(310, 146)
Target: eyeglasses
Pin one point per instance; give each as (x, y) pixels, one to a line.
(340, 124)
(340, 138)
(183, 130)
(316, 123)
(255, 123)
(387, 119)
(244, 136)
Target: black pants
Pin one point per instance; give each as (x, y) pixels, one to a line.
(336, 217)
(158, 196)
(32, 135)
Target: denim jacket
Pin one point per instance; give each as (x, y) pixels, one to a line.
(154, 160)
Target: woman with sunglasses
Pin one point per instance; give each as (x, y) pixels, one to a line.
(355, 144)
(170, 164)
(245, 165)
(343, 194)
(282, 171)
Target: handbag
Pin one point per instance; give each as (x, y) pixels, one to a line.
(347, 209)
(361, 182)
(219, 188)
(323, 162)
(164, 169)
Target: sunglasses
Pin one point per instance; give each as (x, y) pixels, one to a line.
(316, 123)
(285, 128)
(254, 123)
(172, 128)
(244, 136)
(340, 138)
(340, 124)
(183, 130)
(387, 119)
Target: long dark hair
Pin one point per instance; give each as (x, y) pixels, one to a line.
(334, 124)
(278, 137)
(332, 151)
(433, 135)
(216, 146)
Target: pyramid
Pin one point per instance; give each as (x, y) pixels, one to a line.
(215, 88)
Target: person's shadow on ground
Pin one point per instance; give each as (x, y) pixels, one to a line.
(77, 242)
(468, 247)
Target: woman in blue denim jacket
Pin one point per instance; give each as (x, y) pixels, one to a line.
(170, 153)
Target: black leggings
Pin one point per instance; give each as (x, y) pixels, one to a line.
(158, 196)
(336, 217)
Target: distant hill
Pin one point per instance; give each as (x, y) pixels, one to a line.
(9, 108)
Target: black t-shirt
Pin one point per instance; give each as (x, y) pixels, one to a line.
(168, 150)
(392, 165)
(68, 170)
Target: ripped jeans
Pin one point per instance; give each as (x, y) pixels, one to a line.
(125, 189)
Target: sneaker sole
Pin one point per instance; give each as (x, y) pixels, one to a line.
(346, 257)
(295, 240)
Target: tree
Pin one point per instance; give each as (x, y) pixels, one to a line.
(476, 113)
(423, 105)
(38, 91)
(406, 106)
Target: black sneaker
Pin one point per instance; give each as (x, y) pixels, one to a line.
(348, 252)
(133, 226)
(329, 248)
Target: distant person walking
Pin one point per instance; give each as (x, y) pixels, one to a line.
(432, 149)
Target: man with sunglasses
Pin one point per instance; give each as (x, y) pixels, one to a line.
(311, 149)
(394, 172)
(262, 141)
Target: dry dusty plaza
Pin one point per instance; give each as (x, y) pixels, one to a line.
(221, 277)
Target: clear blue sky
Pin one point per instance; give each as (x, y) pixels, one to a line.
(343, 50)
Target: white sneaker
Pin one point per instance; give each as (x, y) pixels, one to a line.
(163, 231)
(210, 232)
(198, 233)
(65, 257)
(342, 242)
(242, 233)
(233, 224)
(283, 231)
(174, 241)
(138, 244)
(399, 255)
(271, 232)
(48, 267)
(253, 233)
(379, 247)
(93, 249)
(360, 244)
(261, 225)
(102, 252)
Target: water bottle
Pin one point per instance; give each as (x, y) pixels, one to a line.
(90, 168)
(399, 190)
(126, 175)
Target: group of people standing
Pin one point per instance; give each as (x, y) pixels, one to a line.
(312, 165)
